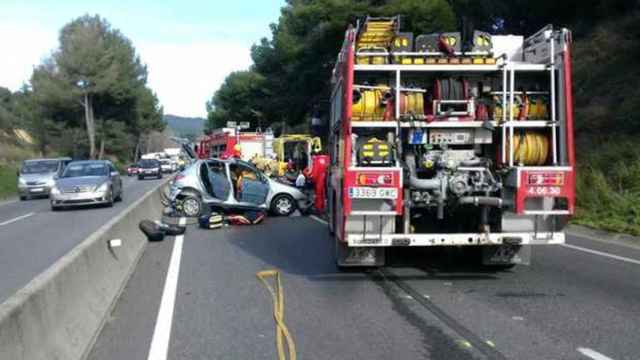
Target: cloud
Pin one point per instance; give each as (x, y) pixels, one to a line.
(186, 75)
(24, 46)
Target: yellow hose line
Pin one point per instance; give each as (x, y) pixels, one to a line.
(277, 295)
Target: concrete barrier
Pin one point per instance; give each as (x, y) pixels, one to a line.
(59, 314)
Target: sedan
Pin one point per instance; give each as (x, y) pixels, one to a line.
(233, 184)
(149, 168)
(89, 182)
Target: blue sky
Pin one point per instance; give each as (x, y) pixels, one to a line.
(188, 45)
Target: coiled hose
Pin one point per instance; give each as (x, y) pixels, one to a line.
(530, 148)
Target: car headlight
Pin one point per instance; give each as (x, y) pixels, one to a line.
(50, 183)
(55, 190)
(21, 182)
(103, 188)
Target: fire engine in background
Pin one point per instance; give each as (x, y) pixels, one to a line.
(221, 143)
(439, 141)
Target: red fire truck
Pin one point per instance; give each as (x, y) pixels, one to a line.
(436, 142)
(222, 143)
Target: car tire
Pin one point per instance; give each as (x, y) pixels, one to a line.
(160, 176)
(23, 198)
(283, 205)
(119, 197)
(192, 205)
(140, 177)
(54, 208)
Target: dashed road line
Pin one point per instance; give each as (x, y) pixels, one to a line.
(592, 354)
(159, 349)
(596, 252)
(16, 219)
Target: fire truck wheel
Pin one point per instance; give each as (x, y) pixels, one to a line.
(283, 205)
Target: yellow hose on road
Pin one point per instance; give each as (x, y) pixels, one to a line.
(277, 295)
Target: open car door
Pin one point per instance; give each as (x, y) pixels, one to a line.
(215, 180)
(251, 186)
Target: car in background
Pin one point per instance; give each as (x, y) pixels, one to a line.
(36, 177)
(233, 184)
(166, 166)
(88, 182)
(132, 169)
(149, 168)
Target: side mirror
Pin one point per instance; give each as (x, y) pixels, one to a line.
(114, 173)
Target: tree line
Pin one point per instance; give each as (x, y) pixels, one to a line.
(89, 98)
(290, 76)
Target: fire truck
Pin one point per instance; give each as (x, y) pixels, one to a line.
(443, 141)
(222, 142)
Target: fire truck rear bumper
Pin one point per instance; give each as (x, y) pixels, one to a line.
(469, 239)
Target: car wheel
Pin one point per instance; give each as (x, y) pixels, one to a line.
(283, 205)
(119, 197)
(191, 205)
(23, 198)
(140, 177)
(159, 176)
(54, 208)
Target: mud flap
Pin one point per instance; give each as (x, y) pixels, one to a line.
(358, 256)
(506, 255)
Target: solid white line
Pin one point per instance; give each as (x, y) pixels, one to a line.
(318, 219)
(16, 219)
(593, 354)
(162, 333)
(595, 252)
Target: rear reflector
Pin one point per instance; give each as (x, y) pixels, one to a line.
(374, 179)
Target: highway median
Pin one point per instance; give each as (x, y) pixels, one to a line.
(59, 313)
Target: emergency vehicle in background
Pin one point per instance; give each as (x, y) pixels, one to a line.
(435, 142)
(222, 143)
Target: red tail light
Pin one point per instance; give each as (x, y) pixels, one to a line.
(179, 177)
(374, 179)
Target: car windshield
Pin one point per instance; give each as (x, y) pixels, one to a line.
(88, 169)
(148, 164)
(39, 167)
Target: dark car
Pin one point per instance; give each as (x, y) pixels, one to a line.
(149, 168)
(132, 169)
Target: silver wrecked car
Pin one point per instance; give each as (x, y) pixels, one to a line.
(88, 182)
(233, 184)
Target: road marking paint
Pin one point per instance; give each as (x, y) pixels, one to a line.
(517, 318)
(3, 203)
(464, 344)
(596, 252)
(491, 343)
(318, 220)
(159, 349)
(592, 354)
(16, 219)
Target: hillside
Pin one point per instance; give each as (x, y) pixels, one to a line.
(185, 126)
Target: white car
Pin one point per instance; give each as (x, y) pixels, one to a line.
(166, 166)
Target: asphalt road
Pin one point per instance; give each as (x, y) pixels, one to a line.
(197, 297)
(32, 237)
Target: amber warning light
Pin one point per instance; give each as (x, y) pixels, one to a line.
(371, 179)
(546, 179)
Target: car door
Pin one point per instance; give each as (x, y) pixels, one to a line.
(252, 185)
(218, 180)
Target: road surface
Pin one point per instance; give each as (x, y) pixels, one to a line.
(197, 297)
(32, 237)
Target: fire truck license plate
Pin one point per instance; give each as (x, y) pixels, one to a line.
(372, 193)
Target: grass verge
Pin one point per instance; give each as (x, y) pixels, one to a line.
(8, 181)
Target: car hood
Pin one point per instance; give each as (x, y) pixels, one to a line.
(43, 178)
(84, 181)
(278, 187)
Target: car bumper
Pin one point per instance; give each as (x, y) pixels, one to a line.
(79, 199)
(36, 190)
(148, 174)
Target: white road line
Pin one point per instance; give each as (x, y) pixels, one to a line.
(595, 252)
(16, 219)
(318, 219)
(162, 333)
(7, 202)
(592, 354)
